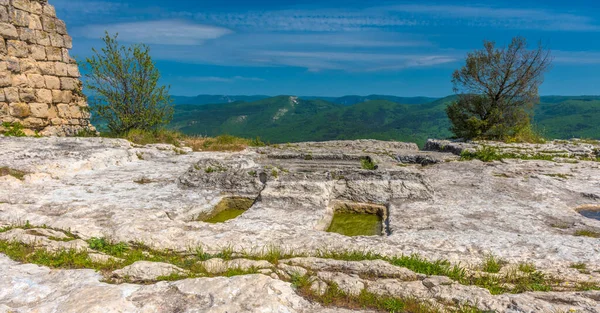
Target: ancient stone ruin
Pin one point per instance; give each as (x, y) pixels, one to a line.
(39, 81)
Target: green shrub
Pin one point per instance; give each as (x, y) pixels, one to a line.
(368, 164)
(125, 82)
(13, 130)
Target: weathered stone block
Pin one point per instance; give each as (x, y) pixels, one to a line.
(24, 5)
(73, 70)
(39, 110)
(11, 94)
(54, 54)
(19, 109)
(5, 79)
(67, 83)
(27, 95)
(3, 49)
(47, 68)
(56, 40)
(4, 15)
(49, 24)
(63, 110)
(27, 35)
(3, 109)
(44, 96)
(57, 121)
(68, 41)
(42, 38)
(61, 69)
(8, 31)
(36, 80)
(29, 66)
(17, 48)
(13, 64)
(18, 17)
(34, 122)
(2, 97)
(62, 96)
(35, 22)
(66, 57)
(20, 81)
(49, 10)
(37, 52)
(52, 82)
(61, 27)
(75, 112)
(52, 111)
(36, 8)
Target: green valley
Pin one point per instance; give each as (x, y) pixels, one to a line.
(289, 119)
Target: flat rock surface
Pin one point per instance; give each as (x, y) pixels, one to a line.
(519, 211)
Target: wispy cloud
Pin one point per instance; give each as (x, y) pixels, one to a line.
(503, 17)
(576, 57)
(218, 79)
(164, 32)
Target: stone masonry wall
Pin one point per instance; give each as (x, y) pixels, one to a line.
(39, 81)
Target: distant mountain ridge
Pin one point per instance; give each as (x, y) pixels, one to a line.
(291, 119)
(344, 100)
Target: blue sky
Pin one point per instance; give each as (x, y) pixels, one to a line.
(337, 47)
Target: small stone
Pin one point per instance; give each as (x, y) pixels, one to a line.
(13, 64)
(5, 79)
(19, 109)
(67, 83)
(20, 81)
(73, 70)
(52, 82)
(44, 96)
(17, 48)
(61, 69)
(62, 96)
(54, 54)
(11, 94)
(27, 95)
(434, 281)
(37, 52)
(47, 68)
(37, 80)
(34, 122)
(39, 110)
(8, 31)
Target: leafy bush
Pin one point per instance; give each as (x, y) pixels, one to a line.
(125, 84)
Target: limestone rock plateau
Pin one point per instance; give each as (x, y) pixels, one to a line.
(104, 198)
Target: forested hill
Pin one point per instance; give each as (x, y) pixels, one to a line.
(289, 119)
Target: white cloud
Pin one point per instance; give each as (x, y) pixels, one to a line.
(218, 79)
(163, 32)
(503, 17)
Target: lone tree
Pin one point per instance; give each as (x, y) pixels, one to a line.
(497, 89)
(127, 94)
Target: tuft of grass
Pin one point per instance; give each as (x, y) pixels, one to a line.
(527, 267)
(13, 129)
(104, 245)
(492, 264)
(86, 132)
(489, 154)
(581, 267)
(145, 137)
(143, 181)
(221, 143)
(368, 164)
(4, 171)
(337, 298)
(563, 176)
(587, 233)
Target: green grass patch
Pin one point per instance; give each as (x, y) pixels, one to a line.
(587, 233)
(227, 209)
(489, 154)
(356, 224)
(368, 164)
(13, 130)
(492, 264)
(4, 171)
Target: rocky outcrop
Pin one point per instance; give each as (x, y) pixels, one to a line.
(520, 211)
(39, 81)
